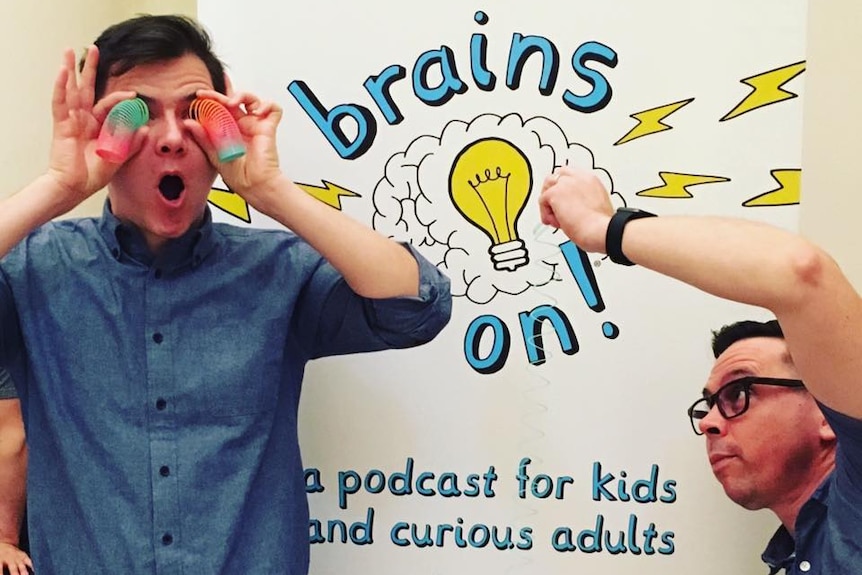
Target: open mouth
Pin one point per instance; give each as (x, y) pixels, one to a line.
(171, 187)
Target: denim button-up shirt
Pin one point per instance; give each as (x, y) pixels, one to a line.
(160, 395)
(829, 525)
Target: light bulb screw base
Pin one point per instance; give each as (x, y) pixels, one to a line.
(509, 255)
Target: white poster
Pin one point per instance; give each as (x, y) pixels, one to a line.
(545, 430)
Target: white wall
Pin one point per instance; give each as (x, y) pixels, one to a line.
(831, 199)
(33, 35)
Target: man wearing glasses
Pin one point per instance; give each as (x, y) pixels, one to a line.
(773, 441)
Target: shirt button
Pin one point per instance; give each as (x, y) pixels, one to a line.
(161, 404)
(164, 471)
(158, 337)
(167, 539)
(805, 566)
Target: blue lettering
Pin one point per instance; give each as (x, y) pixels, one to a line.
(378, 87)
(450, 84)
(329, 122)
(484, 78)
(601, 92)
(531, 328)
(522, 48)
(499, 352)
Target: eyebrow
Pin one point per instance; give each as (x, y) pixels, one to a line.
(735, 374)
(150, 101)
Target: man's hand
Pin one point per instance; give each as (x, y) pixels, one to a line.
(256, 174)
(14, 561)
(74, 165)
(373, 265)
(576, 202)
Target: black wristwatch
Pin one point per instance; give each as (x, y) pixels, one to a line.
(614, 236)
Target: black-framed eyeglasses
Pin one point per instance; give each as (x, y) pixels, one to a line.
(733, 398)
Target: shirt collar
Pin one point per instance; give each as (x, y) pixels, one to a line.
(781, 550)
(127, 242)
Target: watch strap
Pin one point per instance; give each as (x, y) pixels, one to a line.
(614, 235)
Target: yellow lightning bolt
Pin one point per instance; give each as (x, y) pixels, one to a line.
(787, 193)
(650, 121)
(234, 205)
(767, 89)
(676, 185)
(330, 194)
(229, 202)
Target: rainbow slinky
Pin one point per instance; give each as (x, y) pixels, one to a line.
(115, 137)
(220, 126)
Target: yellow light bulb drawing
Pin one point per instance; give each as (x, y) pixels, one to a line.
(489, 184)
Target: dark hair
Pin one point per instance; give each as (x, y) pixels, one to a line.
(148, 39)
(730, 334)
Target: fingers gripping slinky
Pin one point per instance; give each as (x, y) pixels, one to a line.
(220, 126)
(115, 138)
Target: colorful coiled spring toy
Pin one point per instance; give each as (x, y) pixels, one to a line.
(220, 126)
(115, 137)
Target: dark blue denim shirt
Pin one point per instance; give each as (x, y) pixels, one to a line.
(829, 525)
(160, 395)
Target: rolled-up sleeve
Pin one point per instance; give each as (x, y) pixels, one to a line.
(7, 390)
(418, 319)
(344, 322)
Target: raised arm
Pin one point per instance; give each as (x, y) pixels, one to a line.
(740, 260)
(75, 172)
(374, 266)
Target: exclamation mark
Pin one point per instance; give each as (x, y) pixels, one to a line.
(582, 271)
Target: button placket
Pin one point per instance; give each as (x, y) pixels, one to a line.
(162, 433)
